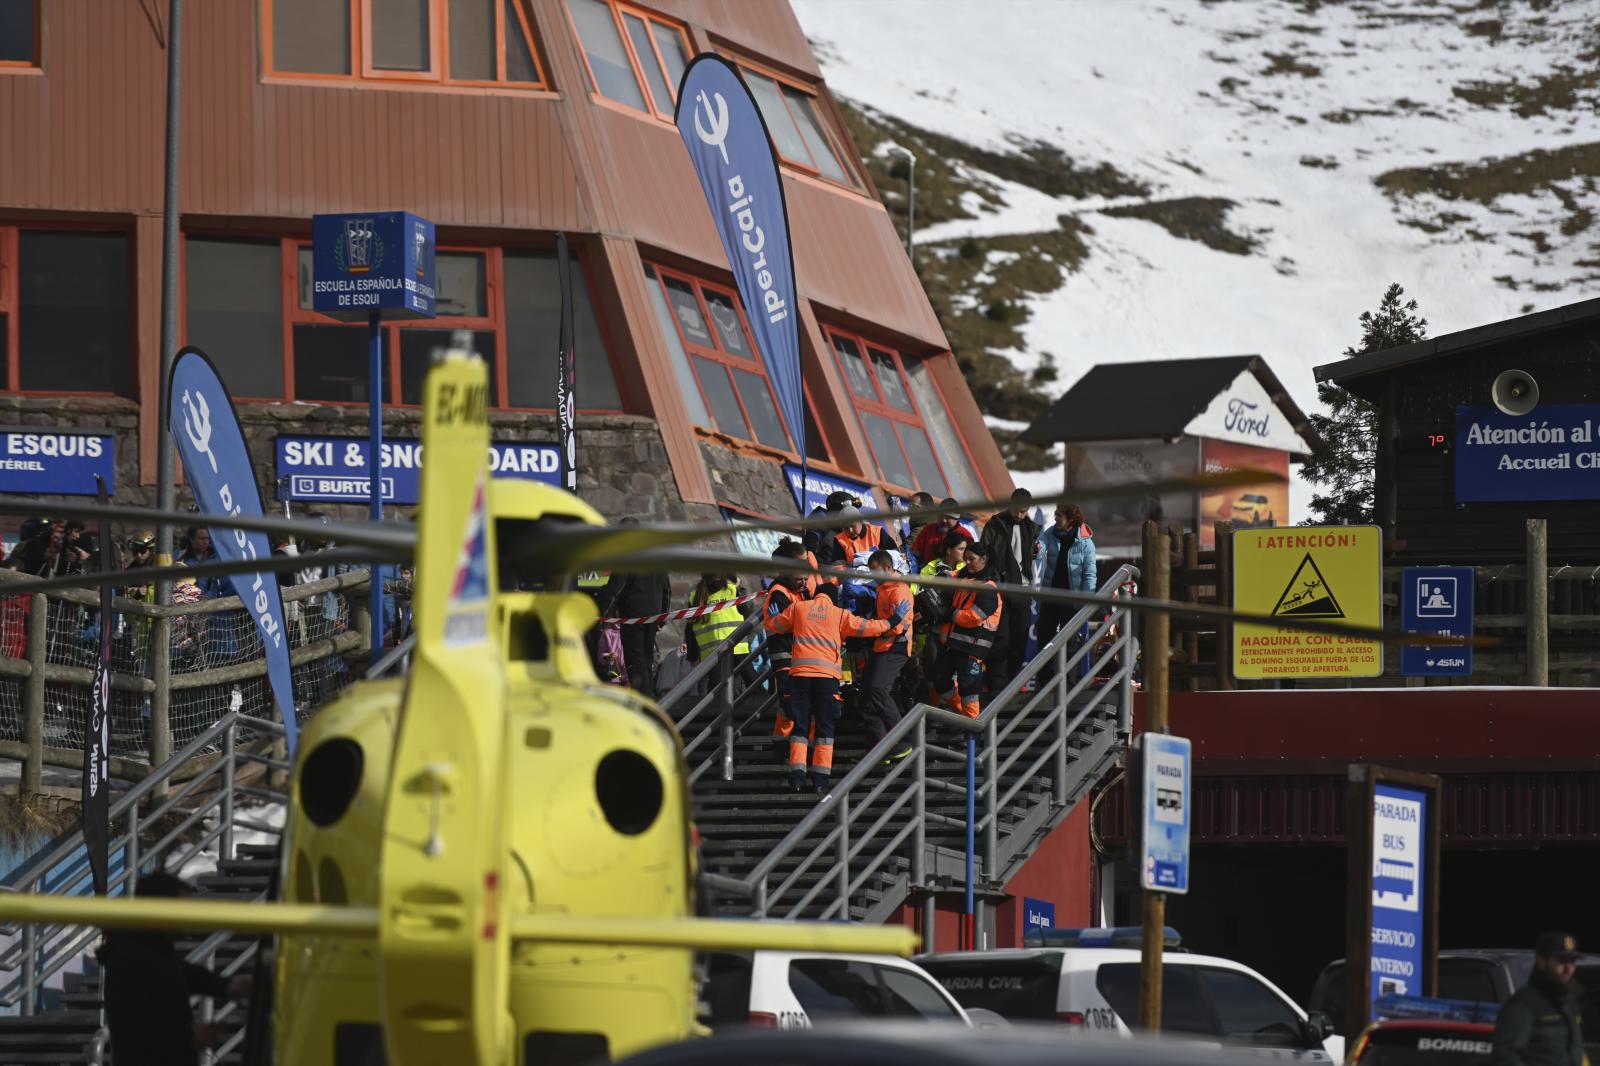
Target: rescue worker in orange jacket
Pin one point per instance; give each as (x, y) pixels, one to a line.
(784, 590)
(890, 653)
(856, 537)
(974, 624)
(819, 627)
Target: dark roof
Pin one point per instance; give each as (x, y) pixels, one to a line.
(1349, 371)
(1133, 401)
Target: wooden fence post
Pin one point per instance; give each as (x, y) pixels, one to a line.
(33, 693)
(1224, 538)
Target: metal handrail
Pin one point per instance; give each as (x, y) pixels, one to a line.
(42, 951)
(841, 804)
(706, 663)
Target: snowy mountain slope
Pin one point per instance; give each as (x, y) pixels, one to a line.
(1275, 164)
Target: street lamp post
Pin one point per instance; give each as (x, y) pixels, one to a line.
(911, 197)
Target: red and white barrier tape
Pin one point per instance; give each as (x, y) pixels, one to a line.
(687, 614)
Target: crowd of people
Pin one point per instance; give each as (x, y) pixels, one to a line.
(872, 647)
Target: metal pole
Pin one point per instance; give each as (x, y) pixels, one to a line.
(919, 836)
(972, 765)
(375, 470)
(1538, 623)
(1158, 568)
(166, 468)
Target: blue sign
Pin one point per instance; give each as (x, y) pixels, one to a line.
(733, 157)
(1037, 914)
(1436, 599)
(335, 468)
(217, 464)
(818, 487)
(1165, 838)
(1399, 842)
(1547, 454)
(62, 464)
(374, 261)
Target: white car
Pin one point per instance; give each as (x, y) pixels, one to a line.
(795, 990)
(1091, 982)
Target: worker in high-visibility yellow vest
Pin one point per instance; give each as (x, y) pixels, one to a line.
(716, 626)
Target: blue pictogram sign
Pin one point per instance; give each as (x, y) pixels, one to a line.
(1436, 599)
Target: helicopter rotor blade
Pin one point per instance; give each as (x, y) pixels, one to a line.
(666, 560)
(27, 586)
(386, 536)
(310, 919)
(715, 934)
(572, 549)
(192, 915)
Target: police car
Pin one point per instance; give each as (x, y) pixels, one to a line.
(1424, 1031)
(793, 990)
(1089, 979)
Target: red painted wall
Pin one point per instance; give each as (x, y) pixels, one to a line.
(1059, 872)
(1440, 729)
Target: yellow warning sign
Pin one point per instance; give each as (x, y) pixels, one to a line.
(1321, 573)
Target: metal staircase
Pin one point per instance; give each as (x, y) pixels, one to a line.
(962, 814)
(196, 803)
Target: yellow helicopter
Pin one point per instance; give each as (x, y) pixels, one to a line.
(491, 860)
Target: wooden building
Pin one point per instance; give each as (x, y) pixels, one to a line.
(1455, 478)
(504, 122)
(1210, 415)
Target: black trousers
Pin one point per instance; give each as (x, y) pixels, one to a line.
(882, 712)
(1015, 620)
(639, 655)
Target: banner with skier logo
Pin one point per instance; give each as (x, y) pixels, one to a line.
(217, 464)
(733, 156)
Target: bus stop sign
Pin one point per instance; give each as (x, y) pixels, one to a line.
(1165, 840)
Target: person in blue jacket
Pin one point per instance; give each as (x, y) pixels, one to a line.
(1069, 564)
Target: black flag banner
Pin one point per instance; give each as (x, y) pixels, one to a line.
(97, 729)
(567, 386)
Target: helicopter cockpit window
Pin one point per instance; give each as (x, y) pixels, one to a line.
(630, 792)
(358, 1044)
(566, 1049)
(330, 779)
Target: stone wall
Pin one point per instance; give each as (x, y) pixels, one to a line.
(748, 483)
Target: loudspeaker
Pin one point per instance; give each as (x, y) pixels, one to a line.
(1515, 392)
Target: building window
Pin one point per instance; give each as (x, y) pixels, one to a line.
(65, 312)
(712, 348)
(233, 310)
(269, 344)
(634, 57)
(803, 139)
(19, 33)
(899, 404)
(533, 329)
(452, 42)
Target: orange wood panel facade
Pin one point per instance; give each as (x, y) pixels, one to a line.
(497, 164)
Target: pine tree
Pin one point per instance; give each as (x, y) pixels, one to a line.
(1349, 431)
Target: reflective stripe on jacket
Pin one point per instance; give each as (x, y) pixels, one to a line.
(894, 607)
(820, 627)
(974, 618)
(774, 603)
(719, 625)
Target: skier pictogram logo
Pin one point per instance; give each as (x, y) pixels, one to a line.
(1307, 594)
